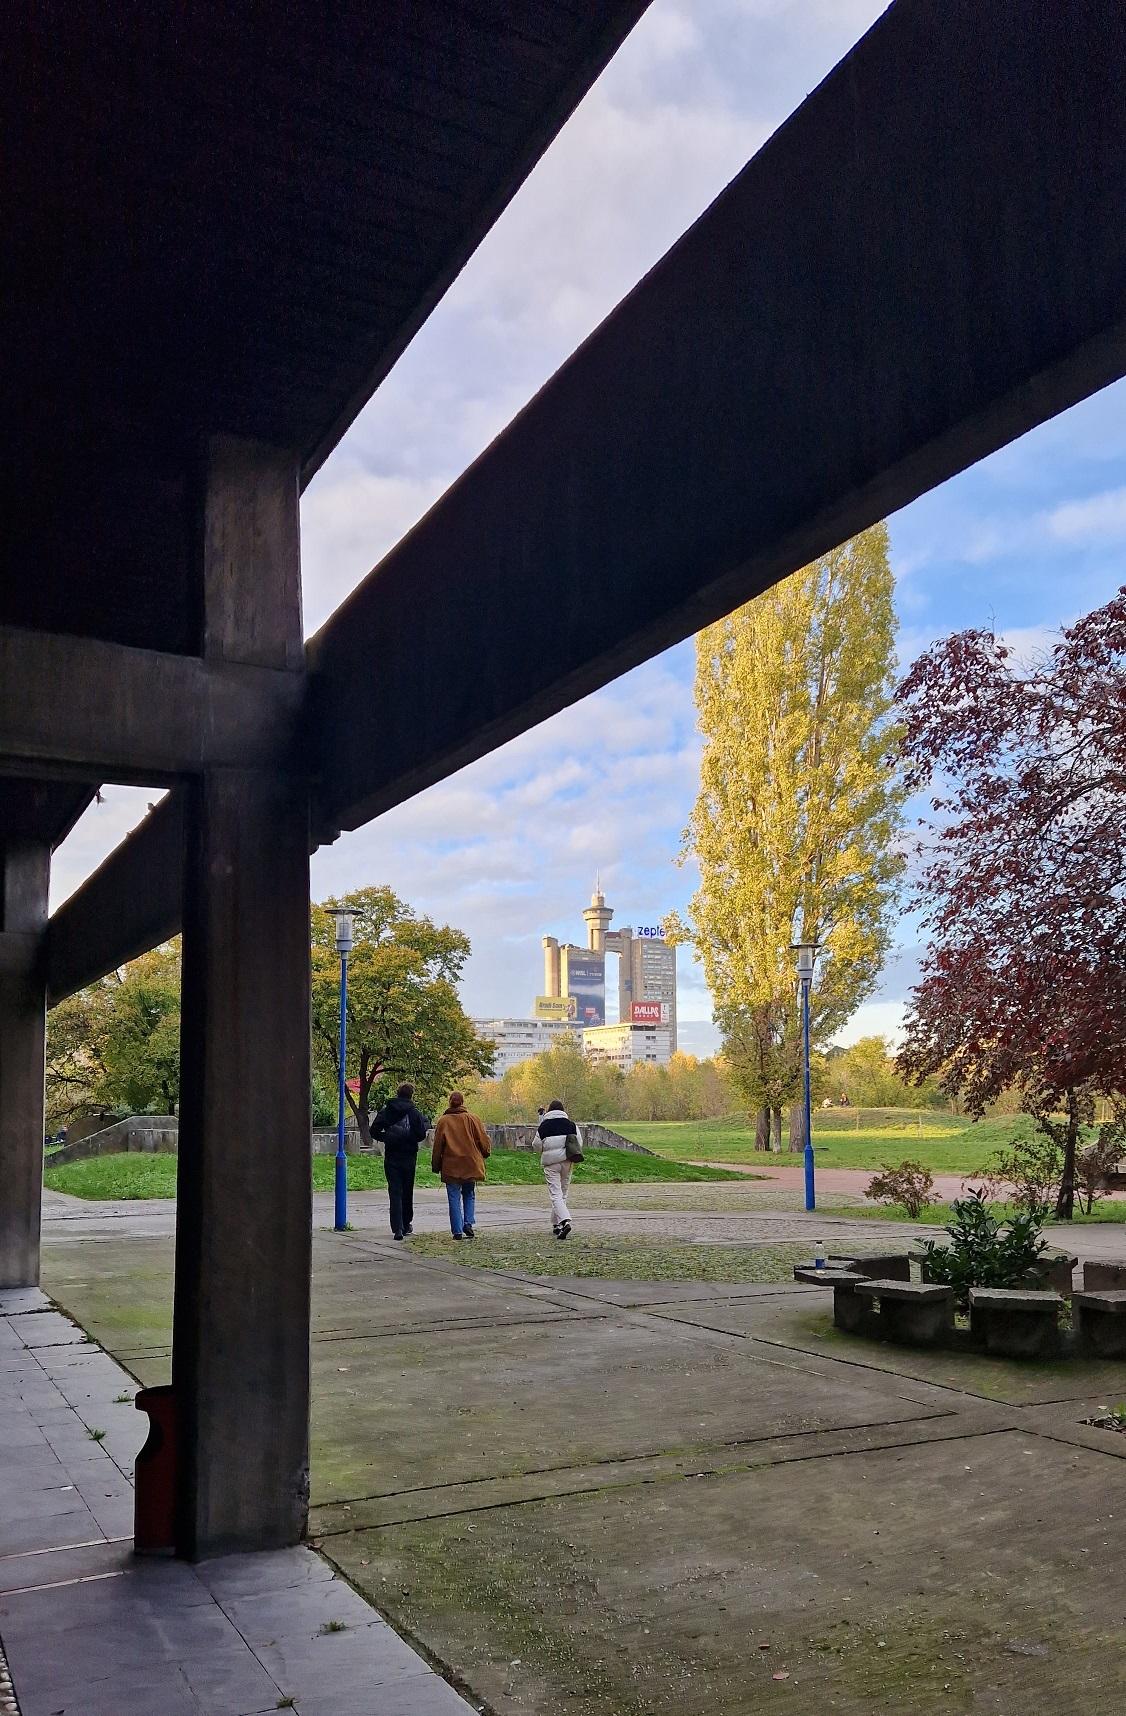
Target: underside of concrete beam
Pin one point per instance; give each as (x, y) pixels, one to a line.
(925, 261)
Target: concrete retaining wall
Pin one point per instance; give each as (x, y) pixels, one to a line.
(152, 1133)
(158, 1132)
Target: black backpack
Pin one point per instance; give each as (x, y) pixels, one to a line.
(399, 1132)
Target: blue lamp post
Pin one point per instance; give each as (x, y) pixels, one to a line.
(807, 954)
(344, 943)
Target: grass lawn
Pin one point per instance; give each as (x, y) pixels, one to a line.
(135, 1175)
(946, 1144)
(937, 1215)
(612, 1259)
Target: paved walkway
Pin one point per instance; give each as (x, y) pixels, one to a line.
(662, 1211)
(610, 1498)
(87, 1629)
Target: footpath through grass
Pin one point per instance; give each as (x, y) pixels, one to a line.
(608, 1258)
(135, 1175)
(946, 1144)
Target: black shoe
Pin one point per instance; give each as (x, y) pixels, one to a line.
(564, 1230)
(398, 1236)
(407, 1231)
(457, 1236)
(470, 1231)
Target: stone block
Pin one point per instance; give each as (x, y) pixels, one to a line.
(914, 1314)
(1100, 1321)
(891, 1266)
(1099, 1276)
(1055, 1269)
(1016, 1323)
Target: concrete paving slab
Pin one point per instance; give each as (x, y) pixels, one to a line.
(894, 1581)
(299, 1611)
(59, 1531)
(61, 1566)
(351, 1664)
(419, 1695)
(518, 1399)
(806, 1325)
(234, 1576)
(47, 1329)
(16, 1301)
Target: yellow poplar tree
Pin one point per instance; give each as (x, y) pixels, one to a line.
(795, 826)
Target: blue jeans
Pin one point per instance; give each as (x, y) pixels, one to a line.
(462, 1195)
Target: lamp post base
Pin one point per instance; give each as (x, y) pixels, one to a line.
(341, 1191)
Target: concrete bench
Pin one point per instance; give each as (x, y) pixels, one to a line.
(916, 1314)
(1097, 1277)
(849, 1312)
(1014, 1322)
(891, 1266)
(1100, 1320)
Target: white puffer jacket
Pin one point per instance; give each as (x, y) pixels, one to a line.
(551, 1137)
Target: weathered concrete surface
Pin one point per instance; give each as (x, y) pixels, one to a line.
(604, 1497)
(87, 1629)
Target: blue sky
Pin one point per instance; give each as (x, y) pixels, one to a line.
(1025, 541)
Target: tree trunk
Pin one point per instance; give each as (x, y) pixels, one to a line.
(762, 1129)
(797, 1126)
(363, 1123)
(1065, 1197)
(776, 1129)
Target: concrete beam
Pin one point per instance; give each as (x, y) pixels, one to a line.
(25, 869)
(925, 261)
(131, 903)
(80, 706)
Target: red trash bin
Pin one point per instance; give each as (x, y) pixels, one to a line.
(154, 1506)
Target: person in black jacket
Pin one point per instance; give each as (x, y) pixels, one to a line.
(401, 1128)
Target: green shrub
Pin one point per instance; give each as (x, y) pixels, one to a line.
(984, 1251)
(910, 1185)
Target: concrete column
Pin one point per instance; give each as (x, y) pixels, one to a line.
(25, 870)
(241, 1327)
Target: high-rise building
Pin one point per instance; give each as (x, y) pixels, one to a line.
(519, 1040)
(646, 973)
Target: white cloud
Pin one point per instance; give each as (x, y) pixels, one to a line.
(1098, 518)
(874, 1019)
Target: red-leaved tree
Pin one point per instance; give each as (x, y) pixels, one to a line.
(1022, 880)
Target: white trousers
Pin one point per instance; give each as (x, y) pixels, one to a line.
(558, 1177)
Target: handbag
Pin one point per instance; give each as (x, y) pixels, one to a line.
(573, 1148)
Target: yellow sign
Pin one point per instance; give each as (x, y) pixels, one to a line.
(557, 1007)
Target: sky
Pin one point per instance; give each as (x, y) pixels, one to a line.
(508, 849)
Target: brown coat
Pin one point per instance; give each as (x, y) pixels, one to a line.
(460, 1146)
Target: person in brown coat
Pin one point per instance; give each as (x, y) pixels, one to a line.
(461, 1145)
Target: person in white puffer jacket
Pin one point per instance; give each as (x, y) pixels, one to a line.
(551, 1138)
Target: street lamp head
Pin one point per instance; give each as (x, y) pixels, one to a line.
(345, 935)
(807, 953)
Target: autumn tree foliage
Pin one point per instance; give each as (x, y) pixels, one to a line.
(796, 822)
(1022, 881)
(405, 1018)
(116, 1044)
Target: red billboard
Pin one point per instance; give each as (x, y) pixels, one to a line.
(646, 1013)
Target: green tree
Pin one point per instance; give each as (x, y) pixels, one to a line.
(116, 1045)
(868, 1073)
(405, 1020)
(795, 825)
(588, 1090)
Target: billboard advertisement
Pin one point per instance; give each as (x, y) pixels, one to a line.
(561, 1007)
(647, 1013)
(585, 978)
(650, 932)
